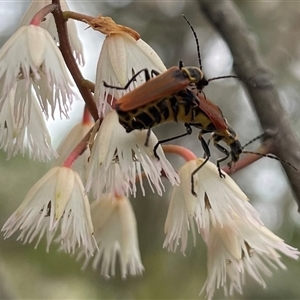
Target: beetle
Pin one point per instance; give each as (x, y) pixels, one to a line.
(177, 95)
(181, 107)
(166, 84)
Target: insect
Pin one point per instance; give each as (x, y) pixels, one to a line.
(204, 115)
(176, 96)
(164, 85)
(168, 83)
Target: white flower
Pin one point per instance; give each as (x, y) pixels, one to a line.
(40, 64)
(121, 57)
(50, 26)
(237, 241)
(28, 132)
(245, 249)
(118, 158)
(116, 234)
(72, 139)
(57, 200)
(218, 200)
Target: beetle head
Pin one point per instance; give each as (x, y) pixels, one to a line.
(194, 74)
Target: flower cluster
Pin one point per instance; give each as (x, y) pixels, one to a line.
(237, 241)
(101, 162)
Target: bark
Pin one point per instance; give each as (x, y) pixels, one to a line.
(248, 65)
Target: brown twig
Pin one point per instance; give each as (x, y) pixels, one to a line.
(89, 84)
(70, 61)
(77, 16)
(248, 64)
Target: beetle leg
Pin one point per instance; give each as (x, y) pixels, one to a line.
(154, 72)
(180, 64)
(188, 132)
(227, 154)
(147, 77)
(208, 142)
(147, 138)
(207, 156)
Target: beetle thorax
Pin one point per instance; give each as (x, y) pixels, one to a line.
(194, 74)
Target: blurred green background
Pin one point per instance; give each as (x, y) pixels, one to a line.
(30, 273)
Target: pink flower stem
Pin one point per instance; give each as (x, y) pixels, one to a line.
(247, 160)
(86, 119)
(180, 150)
(81, 147)
(77, 151)
(40, 15)
(66, 51)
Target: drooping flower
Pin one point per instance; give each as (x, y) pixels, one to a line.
(118, 158)
(40, 65)
(25, 133)
(246, 249)
(123, 54)
(49, 25)
(218, 199)
(56, 201)
(238, 243)
(76, 134)
(116, 235)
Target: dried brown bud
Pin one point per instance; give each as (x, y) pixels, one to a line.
(108, 26)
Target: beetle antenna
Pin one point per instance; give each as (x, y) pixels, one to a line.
(223, 77)
(265, 155)
(272, 157)
(250, 82)
(253, 140)
(196, 39)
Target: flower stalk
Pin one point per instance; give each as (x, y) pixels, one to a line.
(40, 15)
(70, 61)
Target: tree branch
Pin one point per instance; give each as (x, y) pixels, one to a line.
(67, 54)
(248, 65)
